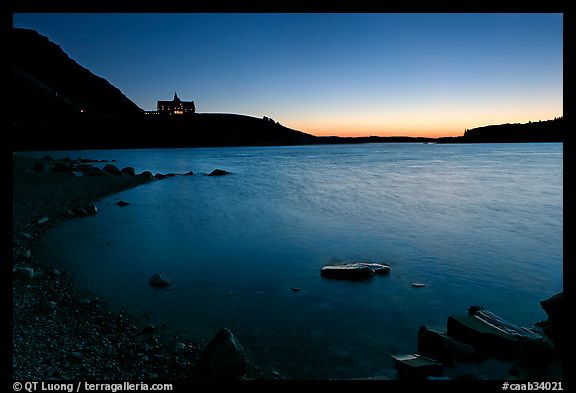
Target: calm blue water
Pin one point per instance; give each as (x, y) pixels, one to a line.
(478, 224)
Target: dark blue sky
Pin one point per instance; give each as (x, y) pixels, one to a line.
(329, 74)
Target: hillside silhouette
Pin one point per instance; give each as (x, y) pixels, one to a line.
(540, 131)
(56, 104)
(42, 67)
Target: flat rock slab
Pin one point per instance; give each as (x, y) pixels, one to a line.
(354, 271)
(486, 339)
(416, 367)
(494, 320)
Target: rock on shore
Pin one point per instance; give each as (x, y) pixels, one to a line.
(223, 358)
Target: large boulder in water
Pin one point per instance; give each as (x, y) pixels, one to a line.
(223, 358)
(354, 271)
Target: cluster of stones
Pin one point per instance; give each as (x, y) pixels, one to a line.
(480, 335)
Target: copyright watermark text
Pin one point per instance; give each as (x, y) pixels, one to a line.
(532, 386)
(78, 387)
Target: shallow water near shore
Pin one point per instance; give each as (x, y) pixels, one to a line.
(477, 224)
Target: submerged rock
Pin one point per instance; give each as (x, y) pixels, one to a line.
(159, 280)
(219, 172)
(354, 271)
(223, 358)
(122, 203)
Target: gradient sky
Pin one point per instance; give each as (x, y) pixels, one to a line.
(329, 74)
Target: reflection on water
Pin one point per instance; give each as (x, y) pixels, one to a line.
(478, 224)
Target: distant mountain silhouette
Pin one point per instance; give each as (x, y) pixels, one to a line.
(541, 131)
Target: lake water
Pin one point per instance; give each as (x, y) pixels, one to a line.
(478, 224)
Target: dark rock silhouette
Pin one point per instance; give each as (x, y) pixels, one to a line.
(128, 170)
(159, 280)
(122, 203)
(223, 358)
(219, 172)
(147, 175)
(554, 326)
(438, 345)
(90, 170)
(111, 169)
(534, 360)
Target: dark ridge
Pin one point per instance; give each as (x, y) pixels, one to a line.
(48, 69)
(542, 131)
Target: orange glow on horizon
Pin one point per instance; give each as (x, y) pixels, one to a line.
(429, 127)
(349, 132)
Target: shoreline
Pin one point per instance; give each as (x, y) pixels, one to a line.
(59, 332)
